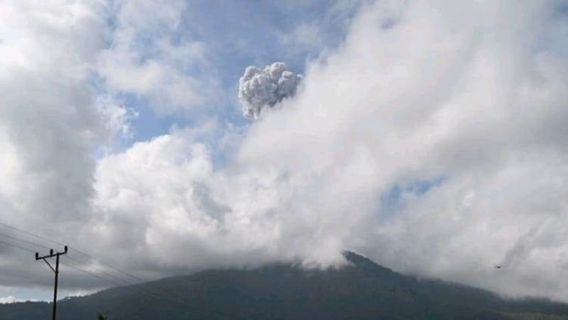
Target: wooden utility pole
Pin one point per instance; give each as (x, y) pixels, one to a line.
(56, 270)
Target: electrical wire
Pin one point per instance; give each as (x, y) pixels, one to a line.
(101, 275)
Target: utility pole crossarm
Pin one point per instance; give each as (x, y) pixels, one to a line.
(51, 254)
(55, 270)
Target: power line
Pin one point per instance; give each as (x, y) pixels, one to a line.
(107, 274)
(27, 249)
(23, 240)
(35, 244)
(55, 255)
(154, 290)
(92, 274)
(141, 291)
(71, 248)
(9, 244)
(5, 225)
(107, 277)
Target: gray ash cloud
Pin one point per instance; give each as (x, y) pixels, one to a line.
(261, 88)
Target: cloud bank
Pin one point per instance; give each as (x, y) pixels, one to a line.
(433, 140)
(263, 88)
(147, 59)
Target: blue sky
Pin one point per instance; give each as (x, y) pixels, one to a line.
(238, 34)
(410, 138)
(235, 34)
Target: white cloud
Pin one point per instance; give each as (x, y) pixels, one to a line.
(419, 91)
(322, 33)
(50, 123)
(146, 59)
(117, 117)
(458, 106)
(306, 36)
(8, 299)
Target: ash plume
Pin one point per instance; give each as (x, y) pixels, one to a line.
(261, 88)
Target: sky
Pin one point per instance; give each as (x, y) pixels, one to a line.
(163, 138)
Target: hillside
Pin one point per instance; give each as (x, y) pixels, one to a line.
(363, 290)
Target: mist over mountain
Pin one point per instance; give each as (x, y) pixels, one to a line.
(429, 135)
(360, 290)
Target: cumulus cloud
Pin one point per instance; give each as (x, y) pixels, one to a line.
(50, 121)
(322, 33)
(261, 88)
(432, 140)
(149, 57)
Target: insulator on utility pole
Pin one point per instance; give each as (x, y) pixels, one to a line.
(56, 271)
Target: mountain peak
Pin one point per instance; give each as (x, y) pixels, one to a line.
(362, 290)
(363, 262)
(356, 258)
